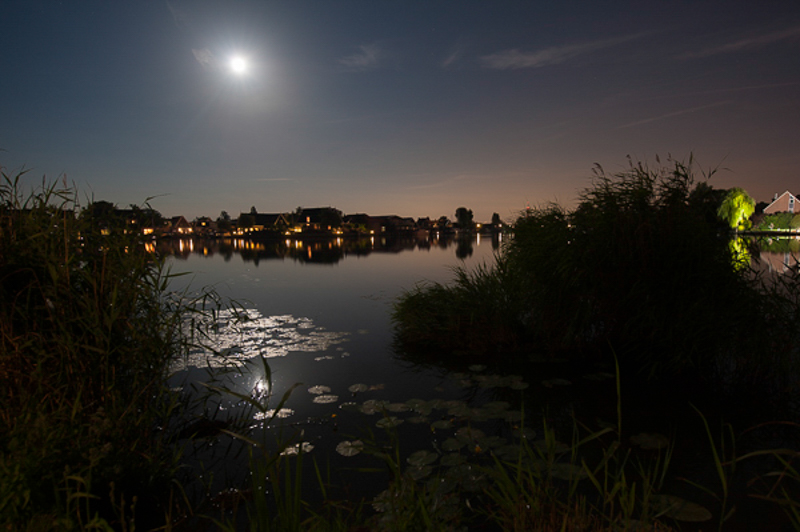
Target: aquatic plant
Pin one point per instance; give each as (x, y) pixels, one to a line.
(87, 332)
(641, 265)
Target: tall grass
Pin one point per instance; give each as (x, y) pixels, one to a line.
(86, 336)
(642, 265)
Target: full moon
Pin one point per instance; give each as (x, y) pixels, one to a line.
(238, 65)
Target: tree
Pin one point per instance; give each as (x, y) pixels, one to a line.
(224, 221)
(736, 209)
(464, 217)
(496, 219)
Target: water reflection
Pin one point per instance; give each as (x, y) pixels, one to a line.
(243, 335)
(325, 251)
(778, 255)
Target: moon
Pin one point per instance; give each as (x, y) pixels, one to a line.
(238, 65)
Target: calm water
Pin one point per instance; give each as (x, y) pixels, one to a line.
(320, 315)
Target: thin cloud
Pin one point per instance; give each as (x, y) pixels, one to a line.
(516, 59)
(205, 57)
(179, 16)
(272, 179)
(366, 59)
(748, 44)
(454, 57)
(670, 115)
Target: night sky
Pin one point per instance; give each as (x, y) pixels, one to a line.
(405, 107)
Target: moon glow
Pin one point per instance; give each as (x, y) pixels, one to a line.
(238, 65)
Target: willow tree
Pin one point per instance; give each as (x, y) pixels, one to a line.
(736, 209)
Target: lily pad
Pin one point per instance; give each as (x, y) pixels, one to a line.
(325, 399)
(418, 419)
(452, 459)
(372, 406)
(356, 388)
(477, 368)
(388, 422)
(442, 424)
(418, 472)
(452, 444)
(294, 450)
(650, 440)
(397, 407)
(350, 447)
(680, 509)
(469, 434)
(319, 389)
(422, 458)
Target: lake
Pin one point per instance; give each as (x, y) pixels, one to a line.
(320, 315)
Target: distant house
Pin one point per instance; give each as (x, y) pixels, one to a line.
(393, 223)
(178, 226)
(259, 221)
(204, 225)
(318, 219)
(786, 202)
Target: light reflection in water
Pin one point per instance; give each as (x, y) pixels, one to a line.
(239, 337)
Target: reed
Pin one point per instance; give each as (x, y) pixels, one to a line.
(87, 332)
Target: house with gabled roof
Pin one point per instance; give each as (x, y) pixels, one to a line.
(786, 202)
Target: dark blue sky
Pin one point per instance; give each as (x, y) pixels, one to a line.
(393, 107)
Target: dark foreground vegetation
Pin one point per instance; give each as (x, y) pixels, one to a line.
(641, 273)
(643, 269)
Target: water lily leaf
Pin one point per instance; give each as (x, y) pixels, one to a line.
(469, 434)
(452, 444)
(397, 407)
(479, 414)
(459, 376)
(465, 383)
(325, 399)
(418, 472)
(477, 368)
(507, 452)
(460, 410)
(497, 405)
(318, 389)
(356, 388)
(442, 424)
(372, 406)
(417, 405)
(282, 413)
(388, 422)
(488, 442)
(294, 450)
(680, 509)
(350, 448)
(418, 419)
(350, 405)
(422, 458)
(452, 459)
(650, 440)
